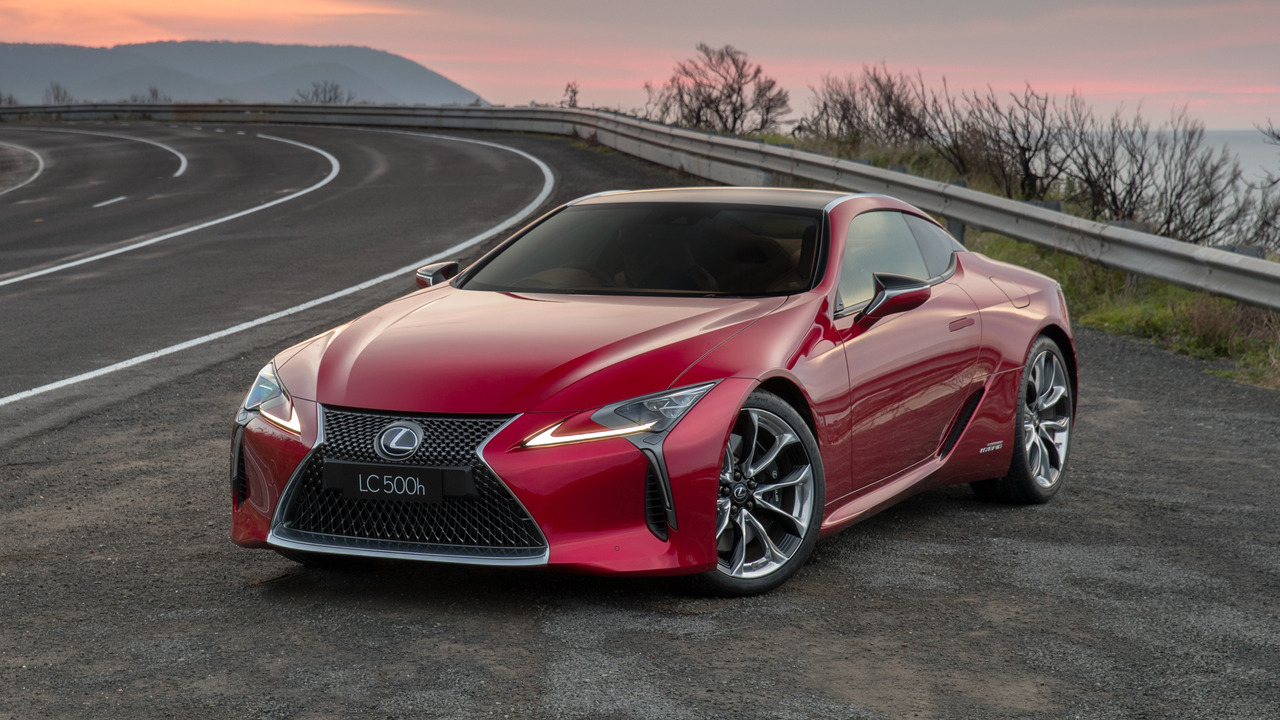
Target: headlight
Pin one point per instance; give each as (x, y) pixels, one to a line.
(269, 399)
(649, 414)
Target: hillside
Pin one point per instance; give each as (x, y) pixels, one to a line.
(199, 71)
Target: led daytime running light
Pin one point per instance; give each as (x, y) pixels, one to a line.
(652, 413)
(548, 437)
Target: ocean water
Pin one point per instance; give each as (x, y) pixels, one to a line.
(1257, 156)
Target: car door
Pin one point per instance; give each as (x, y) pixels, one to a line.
(910, 372)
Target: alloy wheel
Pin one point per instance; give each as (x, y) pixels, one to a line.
(766, 502)
(1046, 418)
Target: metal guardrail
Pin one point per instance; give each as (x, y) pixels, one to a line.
(742, 162)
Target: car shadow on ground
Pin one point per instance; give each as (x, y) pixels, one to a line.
(395, 582)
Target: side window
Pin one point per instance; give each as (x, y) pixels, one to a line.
(936, 245)
(878, 241)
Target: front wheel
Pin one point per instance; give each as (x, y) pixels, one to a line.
(1041, 432)
(771, 499)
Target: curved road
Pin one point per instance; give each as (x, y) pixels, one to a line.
(381, 201)
(1147, 588)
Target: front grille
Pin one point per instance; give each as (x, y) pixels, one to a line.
(492, 524)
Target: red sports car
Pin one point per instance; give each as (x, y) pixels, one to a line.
(689, 381)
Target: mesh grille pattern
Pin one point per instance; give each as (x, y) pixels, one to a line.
(655, 510)
(239, 483)
(492, 524)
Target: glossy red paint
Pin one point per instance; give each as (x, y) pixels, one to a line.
(882, 395)
(443, 347)
(268, 455)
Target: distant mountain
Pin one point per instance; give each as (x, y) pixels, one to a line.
(198, 71)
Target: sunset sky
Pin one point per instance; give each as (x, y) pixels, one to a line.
(1222, 59)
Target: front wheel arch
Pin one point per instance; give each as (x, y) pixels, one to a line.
(771, 499)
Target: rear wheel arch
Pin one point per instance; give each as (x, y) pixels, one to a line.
(1042, 428)
(1063, 341)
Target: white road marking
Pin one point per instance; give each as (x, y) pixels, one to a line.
(334, 168)
(104, 203)
(548, 184)
(182, 159)
(39, 167)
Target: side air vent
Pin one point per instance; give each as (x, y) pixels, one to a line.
(655, 506)
(239, 483)
(962, 422)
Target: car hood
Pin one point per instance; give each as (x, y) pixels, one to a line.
(446, 350)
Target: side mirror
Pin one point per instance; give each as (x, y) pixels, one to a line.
(435, 273)
(894, 294)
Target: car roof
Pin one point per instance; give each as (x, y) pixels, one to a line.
(778, 197)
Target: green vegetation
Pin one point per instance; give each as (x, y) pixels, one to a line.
(1180, 320)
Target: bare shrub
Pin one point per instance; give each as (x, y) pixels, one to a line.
(570, 95)
(1021, 145)
(8, 99)
(1272, 134)
(879, 109)
(895, 103)
(326, 92)
(1198, 193)
(947, 127)
(153, 96)
(1111, 161)
(840, 112)
(56, 94)
(721, 90)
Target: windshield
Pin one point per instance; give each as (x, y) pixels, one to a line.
(660, 249)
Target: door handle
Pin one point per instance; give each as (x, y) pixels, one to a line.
(960, 324)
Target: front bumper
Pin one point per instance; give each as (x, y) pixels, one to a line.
(591, 504)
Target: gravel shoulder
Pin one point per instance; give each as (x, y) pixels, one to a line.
(1147, 588)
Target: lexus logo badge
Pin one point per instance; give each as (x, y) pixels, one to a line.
(398, 441)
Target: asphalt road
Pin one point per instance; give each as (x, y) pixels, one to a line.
(1147, 588)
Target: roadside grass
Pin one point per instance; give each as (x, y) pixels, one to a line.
(1184, 321)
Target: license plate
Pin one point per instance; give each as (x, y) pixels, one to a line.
(408, 483)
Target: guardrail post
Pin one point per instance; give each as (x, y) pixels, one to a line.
(956, 227)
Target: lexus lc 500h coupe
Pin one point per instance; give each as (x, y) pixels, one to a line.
(688, 381)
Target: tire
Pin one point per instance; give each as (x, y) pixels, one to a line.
(1042, 430)
(771, 499)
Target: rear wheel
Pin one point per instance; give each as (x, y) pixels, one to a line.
(771, 499)
(1042, 431)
